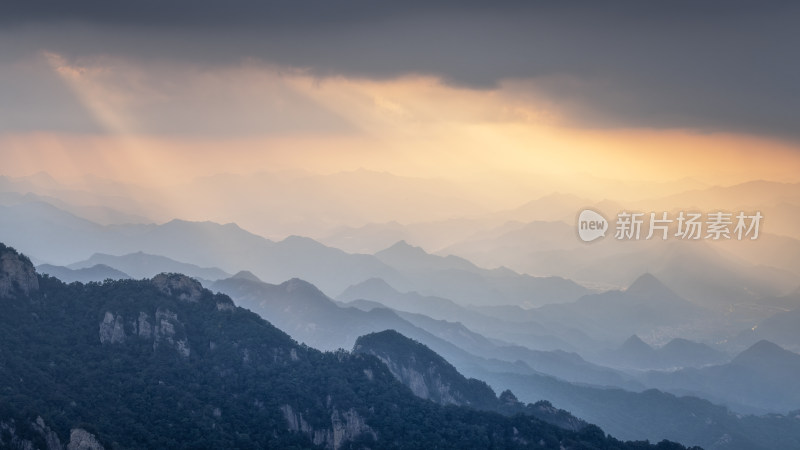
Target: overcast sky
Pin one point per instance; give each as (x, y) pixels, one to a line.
(714, 66)
(620, 90)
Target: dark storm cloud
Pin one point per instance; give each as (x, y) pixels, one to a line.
(727, 66)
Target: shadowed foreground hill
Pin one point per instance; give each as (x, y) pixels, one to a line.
(163, 363)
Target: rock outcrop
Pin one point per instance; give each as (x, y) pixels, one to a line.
(162, 327)
(17, 274)
(178, 285)
(39, 432)
(50, 437)
(426, 383)
(142, 326)
(80, 439)
(112, 329)
(168, 330)
(427, 374)
(165, 329)
(345, 426)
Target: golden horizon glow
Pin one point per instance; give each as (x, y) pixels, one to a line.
(413, 126)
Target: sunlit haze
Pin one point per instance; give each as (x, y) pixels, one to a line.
(350, 224)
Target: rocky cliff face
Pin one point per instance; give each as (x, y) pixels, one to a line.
(427, 374)
(163, 326)
(112, 328)
(38, 435)
(80, 439)
(164, 329)
(168, 330)
(17, 274)
(345, 426)
(431, 377)
(424, 382)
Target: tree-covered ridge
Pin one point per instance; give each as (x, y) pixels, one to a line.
(425, 372)
(163, 363)
(430, 376)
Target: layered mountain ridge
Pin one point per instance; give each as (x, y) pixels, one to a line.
(164, 363)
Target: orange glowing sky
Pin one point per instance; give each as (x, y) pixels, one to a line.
(411, 126)
(544, 97)
(450, 120)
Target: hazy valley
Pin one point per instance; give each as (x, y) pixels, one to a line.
(686, 341)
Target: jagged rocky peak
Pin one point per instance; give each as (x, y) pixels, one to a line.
(181, 286)
(17, 274)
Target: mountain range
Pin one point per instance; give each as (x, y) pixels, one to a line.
(233, 249)
(377, 292)
(97, 272)
(311, 317)
(763, 378)
(431, 377)
(142, 265)
(305, 311)
(782, 328)
(677, 353)
(164, 363)
(689, 341)
(646, 306)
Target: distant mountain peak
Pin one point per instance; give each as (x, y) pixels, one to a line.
(405, 256)
(647, 284)
(376, 282)
(635, 339)
(101, 267)
(139, 254)
(679, 341)
(298, 238)
(175, 222)
(684, 352)
(764, 352)
(208, 224)
(96, 272)
(246, 275)
(296, 285)
(635, 343)
(404, 248)
(369, 289)
(141, 265)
